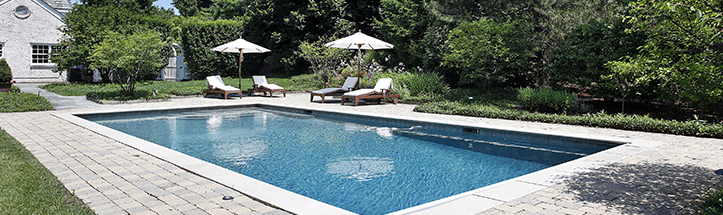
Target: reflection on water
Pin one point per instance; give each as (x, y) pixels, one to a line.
(364, 168)
(214, 122)
(360, 168)
(240, 153)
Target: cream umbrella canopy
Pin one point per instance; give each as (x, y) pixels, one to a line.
(240, 46)
(359, 41)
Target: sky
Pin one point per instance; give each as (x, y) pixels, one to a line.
(165, 4)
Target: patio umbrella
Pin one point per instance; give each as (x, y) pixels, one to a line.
(240, 46)
(359, 41)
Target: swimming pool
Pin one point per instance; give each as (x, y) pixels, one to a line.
(348, 158)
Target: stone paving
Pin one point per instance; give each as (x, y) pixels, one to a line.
(113, 178)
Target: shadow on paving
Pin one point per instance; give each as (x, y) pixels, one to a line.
(646, 188)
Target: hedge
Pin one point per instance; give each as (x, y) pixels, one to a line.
(617, 121)
(199, 36)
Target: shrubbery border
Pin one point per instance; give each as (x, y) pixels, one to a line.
(616, 121)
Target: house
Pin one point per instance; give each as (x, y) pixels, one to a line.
(28, 34)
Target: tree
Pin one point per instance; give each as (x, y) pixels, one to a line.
(626, 76)
(579, 60)
(282, 25)
(86, 26)
(404, 23)
(684, 45)
(487, 52)
(325, 62)
(129, 56)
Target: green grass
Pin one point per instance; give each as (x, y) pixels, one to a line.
(184, 88)
(23, 102)
(27, 187)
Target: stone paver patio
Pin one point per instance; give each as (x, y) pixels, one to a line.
(113, 178)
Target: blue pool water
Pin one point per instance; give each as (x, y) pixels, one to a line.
(351, 165)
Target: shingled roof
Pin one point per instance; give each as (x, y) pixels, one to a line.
(62, 6)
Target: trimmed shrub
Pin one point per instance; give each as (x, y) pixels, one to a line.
(199, 36)
(6, 75)
(547, 100)
(617, 121)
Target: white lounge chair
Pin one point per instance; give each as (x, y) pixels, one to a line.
(350, 84)
(216, 86)
(380, 91)
(261, 85)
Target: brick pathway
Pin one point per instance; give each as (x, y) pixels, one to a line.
(115, 179)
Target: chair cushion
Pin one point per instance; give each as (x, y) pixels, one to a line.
(227, 88)
(359, 92)
(272, 86)
(329, 90)
(383, 84)
(350, 83)
(214, 81)
(259, 80)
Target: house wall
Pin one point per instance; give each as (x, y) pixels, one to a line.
(18, 36)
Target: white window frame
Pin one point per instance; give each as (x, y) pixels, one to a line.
(2, 45)
(42, 65)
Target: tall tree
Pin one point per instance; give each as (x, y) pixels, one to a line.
(684, 49)
(86, 26)
(579, 60)
(486, 52)
(404, 24)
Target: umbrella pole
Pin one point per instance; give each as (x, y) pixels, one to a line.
(240, 59)
(359, 60)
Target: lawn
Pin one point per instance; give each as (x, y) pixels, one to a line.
(184, 88)
(17, 101)
(27, 187)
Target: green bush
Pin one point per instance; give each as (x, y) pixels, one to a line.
(307, 82)
(617, 121)
(547, 100)
(417, 87)
(23, 102)
(713, 204)
(139, 94)
(6, 75)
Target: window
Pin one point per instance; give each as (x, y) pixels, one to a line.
(22, 12)
(41, 53)
(1, 49)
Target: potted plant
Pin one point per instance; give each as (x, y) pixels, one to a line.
(6, 76)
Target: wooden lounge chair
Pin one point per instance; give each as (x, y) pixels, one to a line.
(261, 85)
(216, 86)
(380, 91)
(350, 84)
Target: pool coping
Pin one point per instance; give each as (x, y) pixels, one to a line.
(465, 203)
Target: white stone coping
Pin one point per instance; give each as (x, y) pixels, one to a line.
(470, 202)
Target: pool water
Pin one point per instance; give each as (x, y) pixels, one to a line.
(351, 165)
